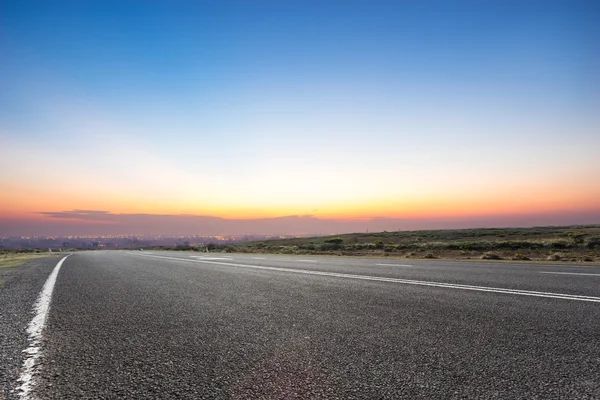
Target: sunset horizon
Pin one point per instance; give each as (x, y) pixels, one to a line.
(333, 117)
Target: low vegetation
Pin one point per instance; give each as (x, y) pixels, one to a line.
(14, 259)
(567, 243)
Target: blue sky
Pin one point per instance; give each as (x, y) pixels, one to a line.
(302, 105)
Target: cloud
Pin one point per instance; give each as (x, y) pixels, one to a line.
(91, 215)
(91, 222)
(88, 220)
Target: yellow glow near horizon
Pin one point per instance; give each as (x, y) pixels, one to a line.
(355, 179)
(31, 201)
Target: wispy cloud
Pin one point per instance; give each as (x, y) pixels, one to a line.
(90, 215)
(105, 222)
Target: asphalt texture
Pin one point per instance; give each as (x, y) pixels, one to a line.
(19, 289)
(170, 325)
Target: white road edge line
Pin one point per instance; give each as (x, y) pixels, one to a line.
(520, 292)
(34, 330)
(568, 273)
(395, 265)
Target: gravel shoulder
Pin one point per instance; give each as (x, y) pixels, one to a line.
(19, 289)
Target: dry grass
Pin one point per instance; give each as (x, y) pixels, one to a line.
(16, 259)
(551, 243)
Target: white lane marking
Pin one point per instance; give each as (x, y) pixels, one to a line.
(34, 330)
(258, 258)
(568, 273)
(395, 265)
(211, 258)
(520, 292)
(310, 261)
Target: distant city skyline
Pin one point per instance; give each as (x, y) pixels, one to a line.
(227, 117)
(116, 242)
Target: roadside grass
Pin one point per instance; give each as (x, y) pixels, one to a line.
(579, 243)
(16, 259)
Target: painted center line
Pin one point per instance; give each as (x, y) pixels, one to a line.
(34, 330)
(568, 273)
(519, 292)
(395, 265)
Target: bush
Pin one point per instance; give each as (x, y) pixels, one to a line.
(555, 257)
(439, 245)
(333, 244)
(310, 246)
(558, 243)
(481, 245)
(520, 257)
(577, 237)
(491, 256)
(430, 255)
(516, 244)
(288, 249)
(593, 241)
(230, 249)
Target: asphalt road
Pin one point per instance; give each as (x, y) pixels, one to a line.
(218, 326)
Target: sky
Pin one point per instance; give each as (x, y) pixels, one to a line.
(133, 117)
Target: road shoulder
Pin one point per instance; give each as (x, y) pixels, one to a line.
(19, 289)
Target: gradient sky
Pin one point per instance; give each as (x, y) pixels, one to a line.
(441, 113)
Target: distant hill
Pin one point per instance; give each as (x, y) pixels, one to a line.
(553, 243)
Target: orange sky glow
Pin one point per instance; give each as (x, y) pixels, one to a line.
(447, 122)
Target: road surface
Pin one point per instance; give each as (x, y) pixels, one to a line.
(180, 325)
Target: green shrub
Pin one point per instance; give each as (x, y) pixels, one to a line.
(310, 246)
(516, 244)
(333, 244)
(482, 245)
(558, 243)
(288, 249)
(593, 241)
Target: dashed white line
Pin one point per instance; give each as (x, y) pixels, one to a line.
(309, 261)
(34, 330)
(519, 292)
(258, 258)
(395, 265)
(568, 273)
